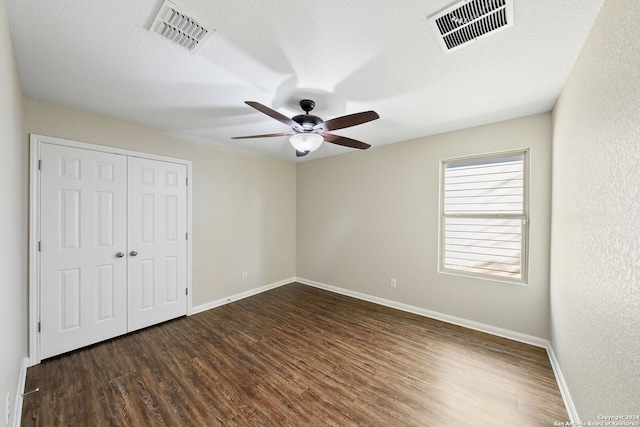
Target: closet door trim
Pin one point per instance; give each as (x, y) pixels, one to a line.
(35, 232)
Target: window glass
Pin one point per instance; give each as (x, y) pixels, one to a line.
(483, 224)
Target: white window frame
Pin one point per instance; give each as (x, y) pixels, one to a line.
(524, 217)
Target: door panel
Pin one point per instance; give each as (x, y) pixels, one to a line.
(83, 224)
(105, 286)
(157, 233)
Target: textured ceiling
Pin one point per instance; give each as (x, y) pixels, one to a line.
(349, 57)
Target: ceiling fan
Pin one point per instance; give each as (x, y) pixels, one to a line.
(309, 131)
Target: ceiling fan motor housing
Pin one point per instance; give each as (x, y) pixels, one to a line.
(307, 121)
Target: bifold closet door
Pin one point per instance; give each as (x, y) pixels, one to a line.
(113, 245)
(157, 242)
(83, 267)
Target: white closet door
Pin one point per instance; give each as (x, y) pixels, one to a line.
(157, 242)
(83, 281)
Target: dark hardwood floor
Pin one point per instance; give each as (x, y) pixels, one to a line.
(297, 356)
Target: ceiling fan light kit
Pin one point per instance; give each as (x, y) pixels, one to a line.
(306, 142)
(309, 131)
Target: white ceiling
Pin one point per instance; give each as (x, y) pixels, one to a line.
(348, 56)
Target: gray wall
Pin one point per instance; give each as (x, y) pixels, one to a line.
(13, 287)
(369, 216)
(595, 252)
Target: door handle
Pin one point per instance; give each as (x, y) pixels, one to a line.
(133, 253)
(119, 254)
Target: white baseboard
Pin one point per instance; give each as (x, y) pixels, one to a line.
(564, 389)
(470, 324)
(22, 379)
(239, 296)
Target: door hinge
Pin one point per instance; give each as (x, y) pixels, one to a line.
(39, 246)
(186, 291)
(39, 165)
(186, 236)
(39, 329)
(186, 181)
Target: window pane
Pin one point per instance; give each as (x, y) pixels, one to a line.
(484, 245)
(484, 216)
(484, 186)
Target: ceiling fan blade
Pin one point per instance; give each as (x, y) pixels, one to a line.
(273, 114)
(267, 135)
(301, 153)
(349, 120)
(343, 140)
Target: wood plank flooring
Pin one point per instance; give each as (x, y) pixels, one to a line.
(297, 356)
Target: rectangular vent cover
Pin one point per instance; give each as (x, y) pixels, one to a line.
(470, 20)
(177, 27)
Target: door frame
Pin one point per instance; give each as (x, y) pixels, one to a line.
(35, 142)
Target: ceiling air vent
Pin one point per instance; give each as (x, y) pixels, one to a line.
(174, 25)
(470, 20)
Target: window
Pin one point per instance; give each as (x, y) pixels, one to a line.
(484, 204)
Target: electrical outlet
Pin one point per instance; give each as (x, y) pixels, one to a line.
(394, 284)
(7, 408)
(244, 275)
